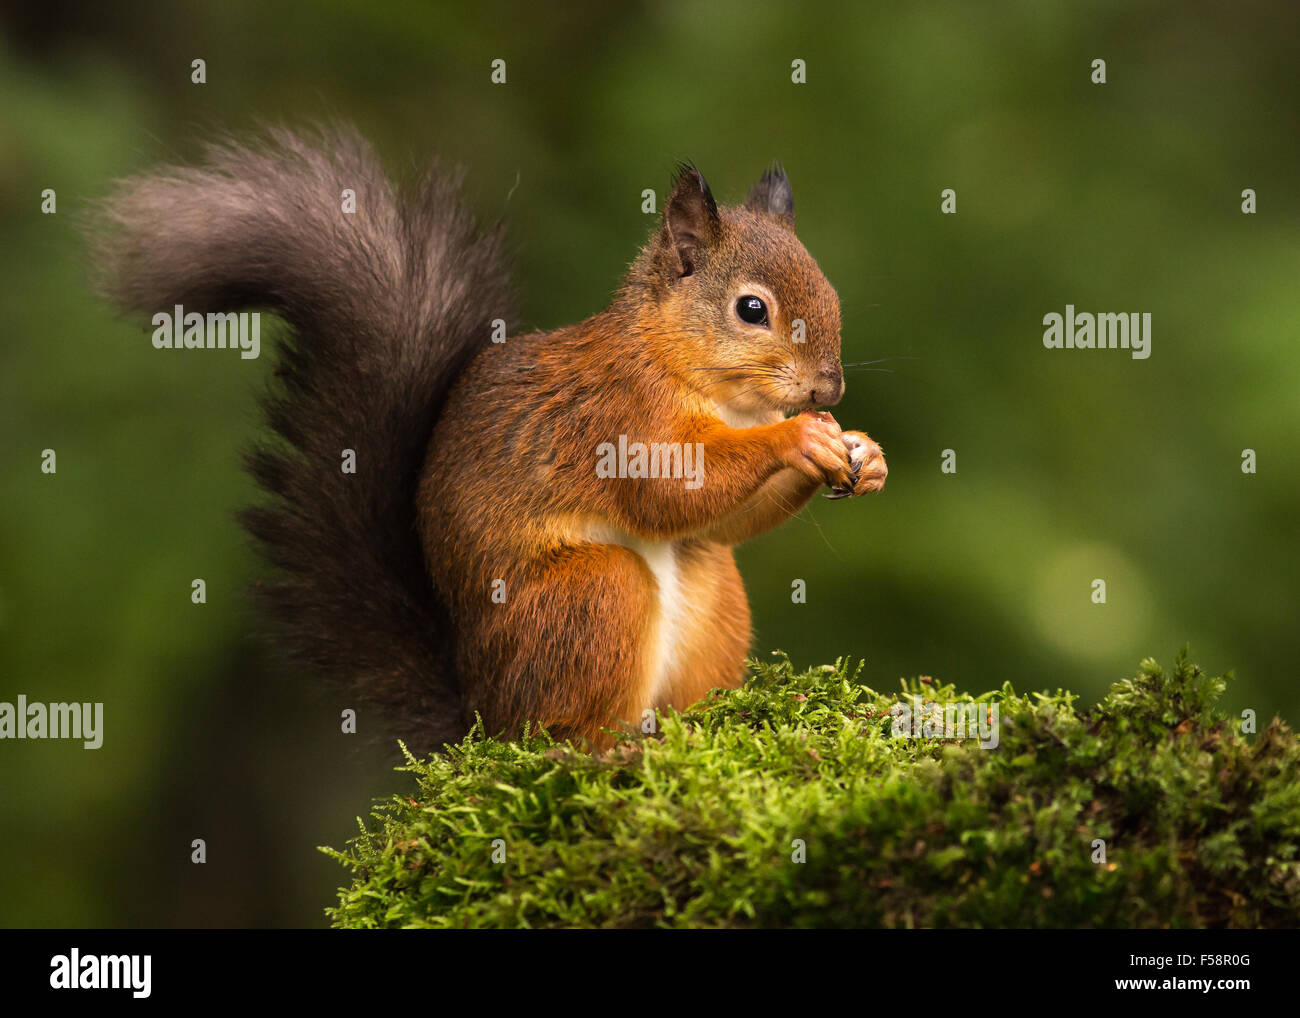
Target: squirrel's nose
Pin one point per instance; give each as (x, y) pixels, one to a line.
(828, 390)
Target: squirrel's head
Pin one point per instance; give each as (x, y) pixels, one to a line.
(756, 321)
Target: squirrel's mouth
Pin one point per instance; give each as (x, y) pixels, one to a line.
(786, 401)
(779, 401)
(789, 410)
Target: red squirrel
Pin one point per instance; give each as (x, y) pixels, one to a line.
(505, 548)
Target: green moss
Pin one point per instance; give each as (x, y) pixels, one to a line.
(696, 826)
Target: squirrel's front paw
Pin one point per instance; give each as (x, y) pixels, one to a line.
(868, 465)
(819, 452)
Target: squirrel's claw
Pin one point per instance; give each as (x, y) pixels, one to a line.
(846, 491)
(862, 451)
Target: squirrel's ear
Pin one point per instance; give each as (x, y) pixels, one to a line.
(691, 220)
(772, 194)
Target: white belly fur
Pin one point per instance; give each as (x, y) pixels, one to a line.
(661, 558)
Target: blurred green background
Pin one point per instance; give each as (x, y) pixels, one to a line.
(1071, 464)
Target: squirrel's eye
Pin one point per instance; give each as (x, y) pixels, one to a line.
(751, 309)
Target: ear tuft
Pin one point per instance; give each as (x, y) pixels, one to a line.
(690, 217)
(773, 194)
(688, 177)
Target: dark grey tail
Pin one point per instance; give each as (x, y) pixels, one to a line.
(386, 304)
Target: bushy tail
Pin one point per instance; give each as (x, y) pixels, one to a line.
(385, 304)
